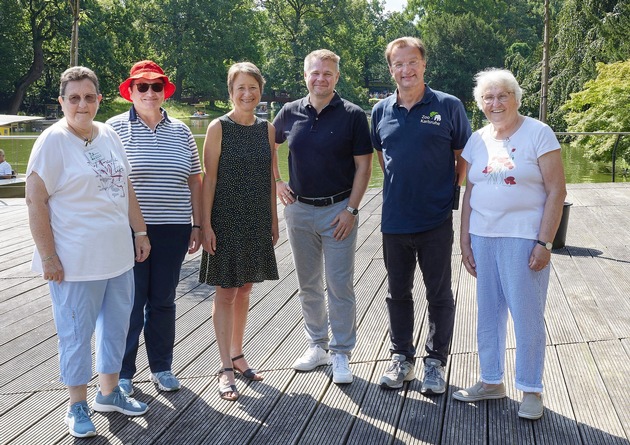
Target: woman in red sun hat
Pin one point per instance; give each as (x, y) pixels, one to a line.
(166, 174)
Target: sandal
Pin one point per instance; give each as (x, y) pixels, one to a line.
(249, 373)
(227, 391)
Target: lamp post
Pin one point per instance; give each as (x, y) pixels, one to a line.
(74, 41)
(544, 81)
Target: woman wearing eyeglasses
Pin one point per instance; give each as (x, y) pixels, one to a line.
(166, 174)
(511, 211)
(80, 206)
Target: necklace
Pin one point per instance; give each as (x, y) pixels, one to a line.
(86, 140)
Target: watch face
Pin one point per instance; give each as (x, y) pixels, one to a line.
(549, 246)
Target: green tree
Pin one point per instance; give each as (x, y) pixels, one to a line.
(454, 56)
(295, 28)
(111, 40)
(586, 32)
(42, 21)
(602, 105)
(194, 43)
(14, 38)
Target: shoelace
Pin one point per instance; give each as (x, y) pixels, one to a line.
(81, 413)
(432, 373)
(168, 375)
(121, 399)
(338, 361)
(395, 366)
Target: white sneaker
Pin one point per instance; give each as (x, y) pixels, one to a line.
(341, 369)
(313, 357)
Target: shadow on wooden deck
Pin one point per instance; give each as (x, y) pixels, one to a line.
(586, 376)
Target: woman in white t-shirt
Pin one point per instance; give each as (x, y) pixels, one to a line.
(511, 211)
(80, 205)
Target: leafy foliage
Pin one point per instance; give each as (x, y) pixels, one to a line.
(603, 104)
(196, 40)
(453, 57)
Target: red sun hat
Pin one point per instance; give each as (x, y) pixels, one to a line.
(146, 69)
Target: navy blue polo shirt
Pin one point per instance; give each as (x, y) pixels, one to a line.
(322, 146)
(417, 147)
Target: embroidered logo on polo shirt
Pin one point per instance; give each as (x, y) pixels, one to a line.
(434, 118)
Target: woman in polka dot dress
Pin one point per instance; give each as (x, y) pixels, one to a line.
(240, 222)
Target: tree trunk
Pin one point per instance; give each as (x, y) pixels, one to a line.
(33, 74)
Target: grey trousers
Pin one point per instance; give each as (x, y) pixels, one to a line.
(314, 251)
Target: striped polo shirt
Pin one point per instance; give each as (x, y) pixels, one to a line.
(161, 162)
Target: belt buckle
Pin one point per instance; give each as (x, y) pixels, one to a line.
(323, 202)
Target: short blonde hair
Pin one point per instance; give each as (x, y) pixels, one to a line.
(496, 77)
(404, 42)
(245, 68)
(321, 54)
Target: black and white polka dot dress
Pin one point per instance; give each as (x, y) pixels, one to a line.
(241, 213)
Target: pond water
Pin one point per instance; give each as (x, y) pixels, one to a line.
(578, 168)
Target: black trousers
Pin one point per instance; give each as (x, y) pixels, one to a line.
(156, 280)
(432, 250)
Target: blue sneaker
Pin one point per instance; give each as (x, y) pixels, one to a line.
(165, 381)
(120, 402)
(78, 420)
(125, 386)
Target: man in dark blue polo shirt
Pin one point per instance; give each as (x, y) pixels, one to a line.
(419, 134)
(330, 163)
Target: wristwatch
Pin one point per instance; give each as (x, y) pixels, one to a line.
(352, 210)
(546, 245)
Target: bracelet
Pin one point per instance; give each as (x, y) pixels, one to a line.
(195, 226)
(278, 179)
(48, 258)
(139, 233)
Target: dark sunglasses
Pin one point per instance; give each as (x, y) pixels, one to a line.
(144, 87)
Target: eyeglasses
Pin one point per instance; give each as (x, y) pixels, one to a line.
(502, 98)
(413, 65)
(144, 87)
(75, 99)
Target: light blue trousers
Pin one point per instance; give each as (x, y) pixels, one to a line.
(82, 307)
(505, 282)
(315, 250)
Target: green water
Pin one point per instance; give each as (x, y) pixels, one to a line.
(578, 169)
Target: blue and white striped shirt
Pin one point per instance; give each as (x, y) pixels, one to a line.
(161, 162)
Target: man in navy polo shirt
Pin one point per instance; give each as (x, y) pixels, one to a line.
(419, 134)
(330, 163)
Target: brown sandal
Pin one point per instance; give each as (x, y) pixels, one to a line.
(249, 373)
(227, 392)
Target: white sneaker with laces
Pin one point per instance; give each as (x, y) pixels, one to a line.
(313, 357)
(341, 369)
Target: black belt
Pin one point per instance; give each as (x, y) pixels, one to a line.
(322, 202)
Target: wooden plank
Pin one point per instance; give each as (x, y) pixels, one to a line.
(334, 416)
(613, 364)
(559, 321)
(585, 379)
(464, 423)
(558, 425)
(597, 423)
(380, 410)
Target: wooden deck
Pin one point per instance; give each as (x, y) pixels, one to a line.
(587, 374)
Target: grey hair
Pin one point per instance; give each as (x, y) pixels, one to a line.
(493, 77)
(74, 74)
